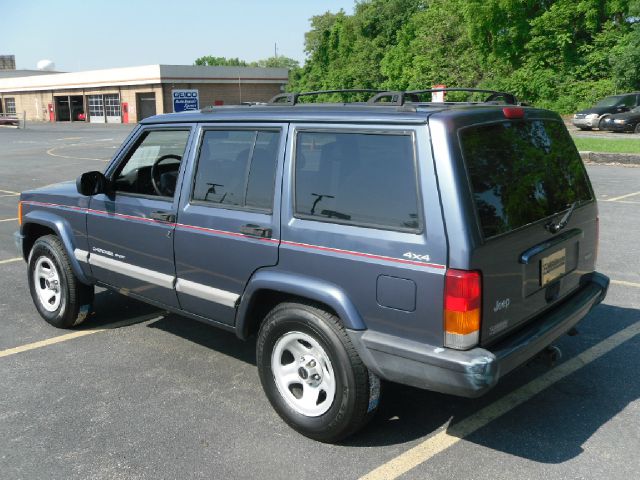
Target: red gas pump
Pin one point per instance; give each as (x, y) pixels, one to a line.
(52, 117)
(125, 112)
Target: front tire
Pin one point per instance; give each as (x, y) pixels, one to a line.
(60, 298)
(601, 124)
(312, 375)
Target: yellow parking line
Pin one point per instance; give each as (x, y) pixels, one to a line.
(48, 341)
(8, 220)
(9, 192)
(625, 283)
(615, 199)
(454, 433)
(10, 260)
(72, 335)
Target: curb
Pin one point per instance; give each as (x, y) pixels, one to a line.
(600, 157)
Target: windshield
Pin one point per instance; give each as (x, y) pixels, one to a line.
(608, 102)
(522, 172)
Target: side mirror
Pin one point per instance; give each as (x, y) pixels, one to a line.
(91, 183)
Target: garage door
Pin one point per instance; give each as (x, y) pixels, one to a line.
(104, 108)
(96, 109)
(112, 108)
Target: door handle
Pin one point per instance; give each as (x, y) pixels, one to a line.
(163, 216)
(256, 231)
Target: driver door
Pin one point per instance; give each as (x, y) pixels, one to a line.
(130, 231)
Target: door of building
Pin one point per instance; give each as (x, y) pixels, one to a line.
(146, 105)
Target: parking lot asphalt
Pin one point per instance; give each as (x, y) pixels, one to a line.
(139, 394)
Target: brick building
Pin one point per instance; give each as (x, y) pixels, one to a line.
(130, 94)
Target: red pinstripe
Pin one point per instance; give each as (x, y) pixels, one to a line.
(240, 235)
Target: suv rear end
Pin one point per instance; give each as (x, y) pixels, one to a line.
(521, 223)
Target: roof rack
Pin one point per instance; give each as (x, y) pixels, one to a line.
(397, 98)
(402, 97)
(292, 98)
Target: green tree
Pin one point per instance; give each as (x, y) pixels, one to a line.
(345, 51)
(211, 61)
(559, 54)
(277, 62)
(433, 47)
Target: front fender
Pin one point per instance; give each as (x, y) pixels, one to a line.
(301, 286)
(63, 230)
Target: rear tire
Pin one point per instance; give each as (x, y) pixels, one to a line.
(60, 298)
(312, 375)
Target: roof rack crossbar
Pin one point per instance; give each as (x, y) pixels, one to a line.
(401, 97)
(395, 97)
(292, 98)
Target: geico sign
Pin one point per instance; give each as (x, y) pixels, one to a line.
(185, 94)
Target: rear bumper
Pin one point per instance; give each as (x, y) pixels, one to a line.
(473, 372)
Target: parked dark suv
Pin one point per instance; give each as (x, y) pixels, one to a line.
(596, 116)
(439, 245)
(623, 122)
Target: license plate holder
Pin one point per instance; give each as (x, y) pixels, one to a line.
(553, 266)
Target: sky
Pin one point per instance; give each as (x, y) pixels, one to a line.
(88, 35)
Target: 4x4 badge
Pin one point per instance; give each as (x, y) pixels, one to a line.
(415, 256)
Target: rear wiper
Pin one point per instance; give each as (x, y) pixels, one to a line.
(556, 227)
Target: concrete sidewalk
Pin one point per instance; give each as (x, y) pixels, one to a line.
(619, 158)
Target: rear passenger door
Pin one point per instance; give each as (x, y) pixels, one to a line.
(229, 216)
(360, 212)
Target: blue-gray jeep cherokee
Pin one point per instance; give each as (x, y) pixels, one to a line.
(439, 245)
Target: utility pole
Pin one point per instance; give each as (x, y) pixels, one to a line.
(275, 49)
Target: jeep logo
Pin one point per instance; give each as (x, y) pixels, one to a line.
(502, 304)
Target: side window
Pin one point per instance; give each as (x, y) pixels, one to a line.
(152, 165)
(629, 101)
(237, 168)
(10, 105)
(358, 179)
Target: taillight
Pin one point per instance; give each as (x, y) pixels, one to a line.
(19, 213)
(462, 308)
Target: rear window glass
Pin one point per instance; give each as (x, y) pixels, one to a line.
(357, 178)
(522, 172)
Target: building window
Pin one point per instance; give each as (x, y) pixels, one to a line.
(10, 105)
